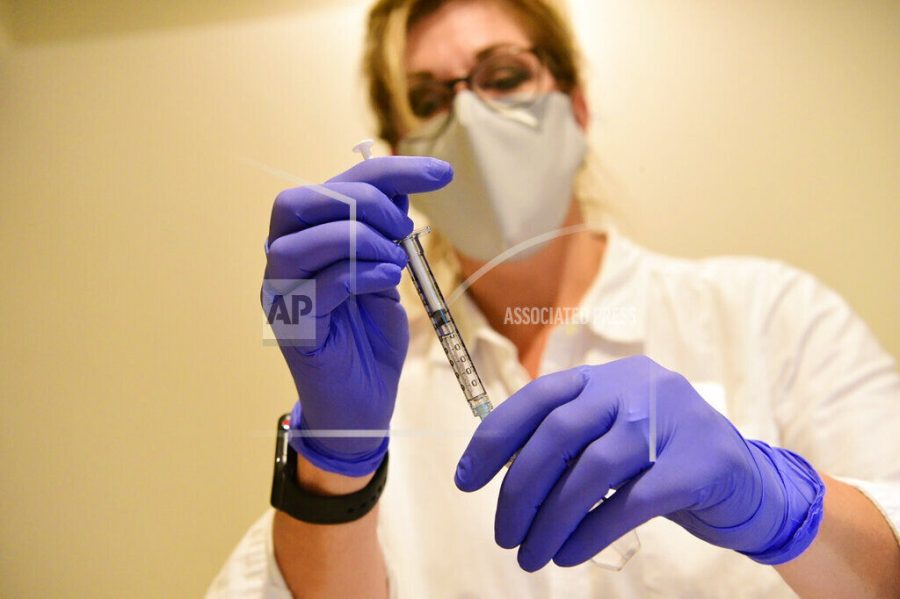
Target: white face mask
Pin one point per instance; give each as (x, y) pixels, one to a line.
(513, 172)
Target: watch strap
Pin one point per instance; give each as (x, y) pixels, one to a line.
(289, 497)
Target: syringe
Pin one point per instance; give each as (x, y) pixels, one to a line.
(444, 326)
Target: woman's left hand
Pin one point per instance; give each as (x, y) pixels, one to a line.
(584, 431)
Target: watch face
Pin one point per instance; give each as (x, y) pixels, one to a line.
(281, 443)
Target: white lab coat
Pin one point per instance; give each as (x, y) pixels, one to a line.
(783, 357)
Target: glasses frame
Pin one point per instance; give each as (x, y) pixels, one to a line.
(469, 80)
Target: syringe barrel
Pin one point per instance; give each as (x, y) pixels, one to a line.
(421, 274)
(445, 327)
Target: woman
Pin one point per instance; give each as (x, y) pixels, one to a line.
(493, 88)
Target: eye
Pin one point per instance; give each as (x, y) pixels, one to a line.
(428, 98)
(508, 77)
(504, 78)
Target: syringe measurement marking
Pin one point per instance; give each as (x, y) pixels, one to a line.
(464, 374)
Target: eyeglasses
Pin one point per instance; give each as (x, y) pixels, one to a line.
(504, 77)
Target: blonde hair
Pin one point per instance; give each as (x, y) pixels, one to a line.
(547, 26)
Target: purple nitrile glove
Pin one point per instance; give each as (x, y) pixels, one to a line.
(347, 372)
(586, 430)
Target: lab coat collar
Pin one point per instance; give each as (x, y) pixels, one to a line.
(616, 302)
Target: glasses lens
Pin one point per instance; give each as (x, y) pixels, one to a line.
(508, 79)
(429, 97)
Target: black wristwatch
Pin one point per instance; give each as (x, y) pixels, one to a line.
(289, 497)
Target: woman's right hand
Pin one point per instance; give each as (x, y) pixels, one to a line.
(347, 357)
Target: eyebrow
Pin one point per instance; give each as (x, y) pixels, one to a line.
(479, 56)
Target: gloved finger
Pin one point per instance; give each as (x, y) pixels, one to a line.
(399, 175)
(301, 255)
(507, 428)
(658, 491)
(304, 207)
(337, 282)
(617, 456)
(556, 443)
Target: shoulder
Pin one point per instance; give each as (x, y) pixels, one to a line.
(761, 278)
(755, 278)
(766, 295)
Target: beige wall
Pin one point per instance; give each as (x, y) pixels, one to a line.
(137, 399)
